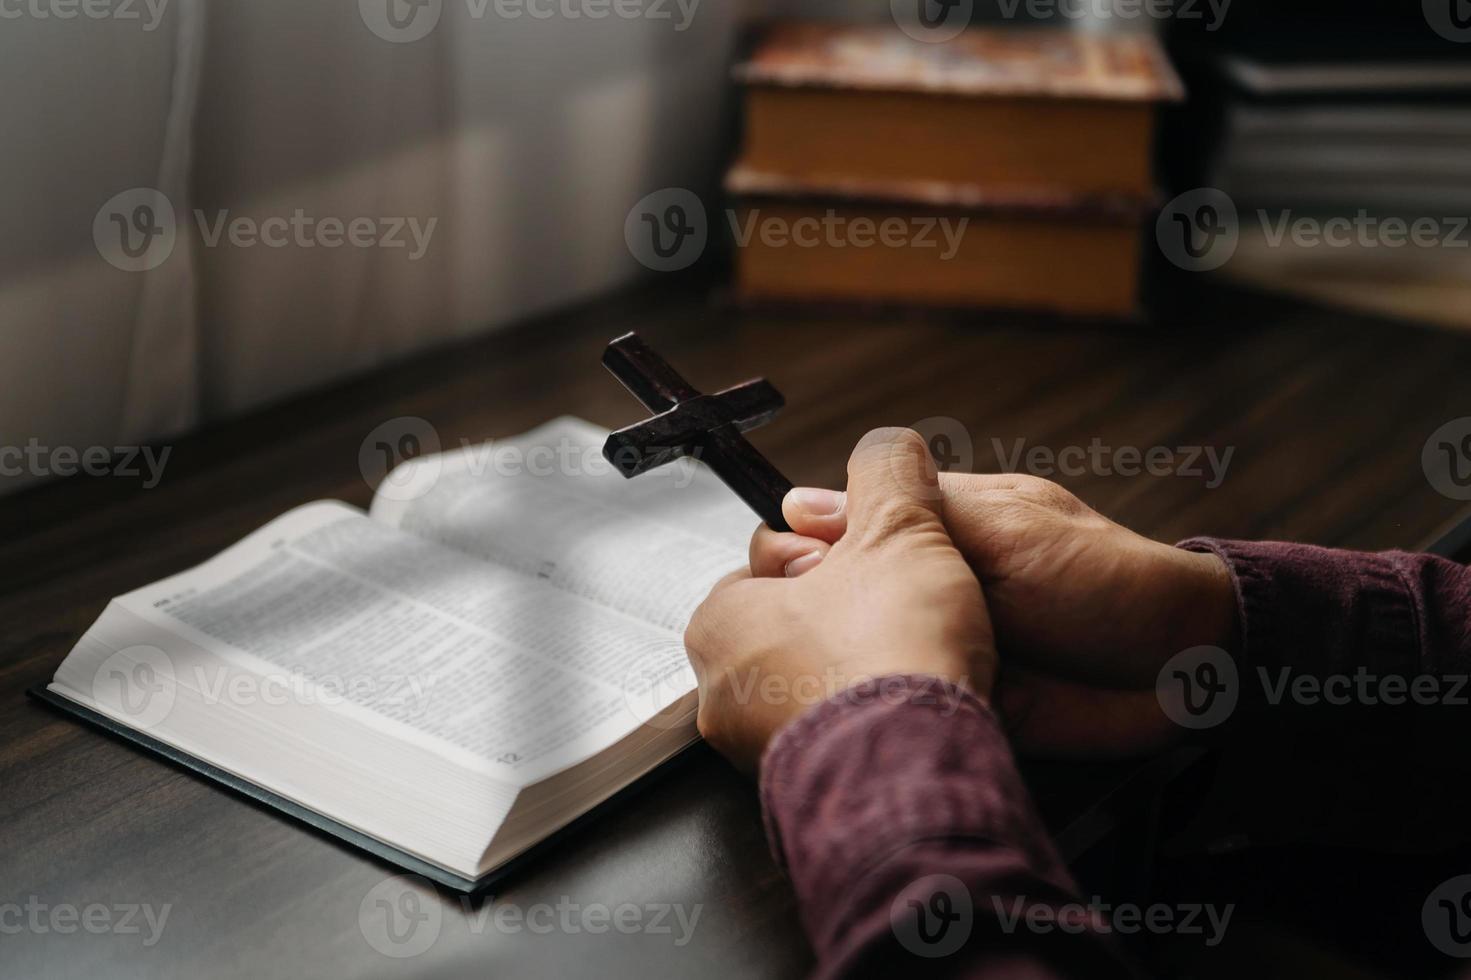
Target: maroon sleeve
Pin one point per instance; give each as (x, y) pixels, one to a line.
(1321, 611)
(897, 810)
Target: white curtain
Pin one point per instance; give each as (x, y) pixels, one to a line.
(91, 355)
(525, 141)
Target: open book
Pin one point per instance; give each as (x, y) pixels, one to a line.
(484, 657)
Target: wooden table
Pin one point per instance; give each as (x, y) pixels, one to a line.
(1327, 415)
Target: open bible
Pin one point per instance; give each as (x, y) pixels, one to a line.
(489, 653)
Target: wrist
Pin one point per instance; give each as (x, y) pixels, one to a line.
(952, 669)
(1205, 603)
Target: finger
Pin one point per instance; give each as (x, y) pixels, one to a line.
(817, 513)
(729, 579)
(892, 483)
(1049, 717)
(777, 555)
(699, 630)
(823, 514)
(735, 603)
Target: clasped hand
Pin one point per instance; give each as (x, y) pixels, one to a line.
(1005, 584)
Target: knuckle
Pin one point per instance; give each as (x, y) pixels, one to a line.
(709, 631)
(710, 722)
(756, 550)
(1028, 484)
(697, 633)
(1048, 493)
(705, 724)
(766, 550)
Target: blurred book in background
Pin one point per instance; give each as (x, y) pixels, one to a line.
(1025, 153)
(1305, 112)
(1381, 133)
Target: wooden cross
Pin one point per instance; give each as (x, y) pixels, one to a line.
(688, 423)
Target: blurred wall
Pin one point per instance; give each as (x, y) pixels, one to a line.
(519, 145)
(528, 140)
(85, 115)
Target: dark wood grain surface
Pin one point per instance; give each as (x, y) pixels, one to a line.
(1326, 416)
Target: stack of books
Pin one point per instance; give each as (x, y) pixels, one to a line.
(1392, 136)
(1354, 127)
(1329, 109)
(999, 169)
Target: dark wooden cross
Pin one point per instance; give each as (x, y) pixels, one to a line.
(687, 423)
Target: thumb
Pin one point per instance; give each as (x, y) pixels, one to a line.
(892, 483)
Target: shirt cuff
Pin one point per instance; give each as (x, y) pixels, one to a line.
(1319, 610)
(888, 764)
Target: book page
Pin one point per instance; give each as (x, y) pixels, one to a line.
(547, 504)
(496, 670)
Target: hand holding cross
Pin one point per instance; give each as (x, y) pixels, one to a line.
(688, 423)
